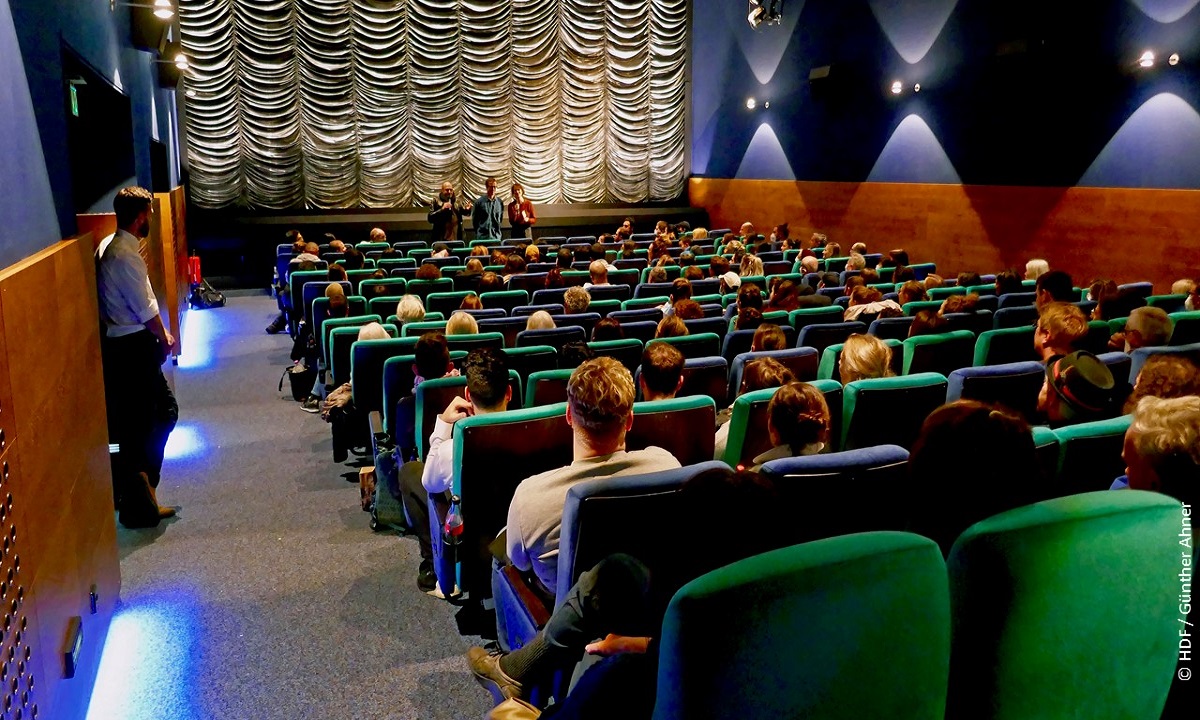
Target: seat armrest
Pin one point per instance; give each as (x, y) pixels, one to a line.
(380, 440)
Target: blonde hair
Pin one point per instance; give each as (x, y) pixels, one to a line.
(700, 234)
(856, 261)
(1035, 268)
(576, 300)
(372, 331)
(601, 393)
(540, 320)
(751, 265)
(462, 323)
(532, 253)
(1183, 287)
(410, 309)
(1064, 322)
(864, 357)
(334, 288)
(1165, 427)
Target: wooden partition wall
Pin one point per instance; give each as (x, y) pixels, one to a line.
(165, 253)
(56, 504)
(1124, 234)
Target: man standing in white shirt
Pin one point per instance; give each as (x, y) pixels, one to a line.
(141, 408)
(487, 391)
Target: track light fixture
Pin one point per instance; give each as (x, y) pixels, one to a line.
(769, 12)
(163, 9)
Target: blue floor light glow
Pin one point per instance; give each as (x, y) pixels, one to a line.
(185, 442)
(199, 334)
(146, 668)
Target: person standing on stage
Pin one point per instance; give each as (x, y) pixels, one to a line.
(486, 215)
(141, 408)
(520, 213)
(446, 215)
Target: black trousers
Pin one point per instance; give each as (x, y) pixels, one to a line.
(613, 597)
(141, 408)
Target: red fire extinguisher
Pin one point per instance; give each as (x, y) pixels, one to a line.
(194, 276)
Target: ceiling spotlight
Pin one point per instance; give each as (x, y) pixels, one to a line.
(897, 87)
(181, 61)
(764, 11)
(766, 104)
(1147, 59)
(917, 87)
(1174, 59)
(750, 103)
(163, 9)
(190, 93)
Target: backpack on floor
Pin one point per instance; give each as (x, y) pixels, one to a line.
(388, 509)
(205, 296)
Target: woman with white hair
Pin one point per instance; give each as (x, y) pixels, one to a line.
(1162, 448)
(1036, 268)
(410, 309)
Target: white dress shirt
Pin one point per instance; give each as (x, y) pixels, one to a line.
(127, 300)
(438, 474)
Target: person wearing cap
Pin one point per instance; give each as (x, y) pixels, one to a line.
(1079, 388)
(730, 282)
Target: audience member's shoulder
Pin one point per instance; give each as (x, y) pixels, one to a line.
(654, 455)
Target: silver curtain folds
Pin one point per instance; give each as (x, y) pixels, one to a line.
(374, 103)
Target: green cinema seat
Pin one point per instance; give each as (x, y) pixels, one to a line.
(846, 628)
(1067, 608)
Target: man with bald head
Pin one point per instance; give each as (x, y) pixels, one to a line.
(445, 214)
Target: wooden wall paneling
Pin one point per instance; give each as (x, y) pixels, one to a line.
(177, 207)
(62, 487)
(8, 418)
(98, 225)
(1124, 234)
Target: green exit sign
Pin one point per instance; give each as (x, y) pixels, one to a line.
(74, 102)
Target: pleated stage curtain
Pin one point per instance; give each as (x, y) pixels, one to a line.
(374, 103)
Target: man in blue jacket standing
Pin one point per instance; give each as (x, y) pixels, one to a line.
(485, 215)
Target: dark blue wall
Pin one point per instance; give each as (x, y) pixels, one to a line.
(1019, 92)
(34, 213)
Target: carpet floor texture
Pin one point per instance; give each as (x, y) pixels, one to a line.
(269, 597)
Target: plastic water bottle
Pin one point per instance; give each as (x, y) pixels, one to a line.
(452, 530)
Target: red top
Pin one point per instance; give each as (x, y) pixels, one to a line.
(516, 208)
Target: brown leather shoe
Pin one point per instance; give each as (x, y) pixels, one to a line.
(138, 508)
(163, 512)
(485, 666)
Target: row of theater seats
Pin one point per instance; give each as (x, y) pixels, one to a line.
(862, 620)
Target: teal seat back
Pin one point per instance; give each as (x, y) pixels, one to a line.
(701, 345)
(638, 303)
(528, 360)
(341, 340)
(748, 436)
(943, 353)
(296, 282)
(658, 423)
(1187, 328)
(628, 351)
(1169, 303)
(423, 288)
(1067, 609)
(856, 626)
(1004, 346)
(604, 307)
(505, 300)
(941, 293)
(1089, 454)
(331, 324)
(803, 317)
(391, 286)
(889, 411)
(476, 341)
(446, 302)
(384, 306)
(917, 306)
(495, 453)
(547, 387)
(366, 369)
(417, 329)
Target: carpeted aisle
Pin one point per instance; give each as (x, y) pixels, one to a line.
(269, 596)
